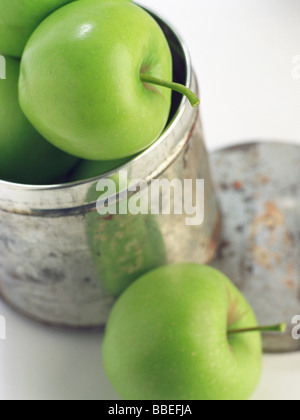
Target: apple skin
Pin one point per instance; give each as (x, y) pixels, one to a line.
(88, 169)
(25, 156)
(166, 338)
(18, 20)
(80, 80)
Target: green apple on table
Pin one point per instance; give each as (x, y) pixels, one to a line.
(25, 156)
(96, 79)
(178, 333)
(19, 18)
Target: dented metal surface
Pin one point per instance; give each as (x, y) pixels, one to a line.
(259, 192)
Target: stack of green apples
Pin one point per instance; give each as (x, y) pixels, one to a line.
(95, 83)
(25, 156)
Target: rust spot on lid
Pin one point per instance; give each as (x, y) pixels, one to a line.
(263, 179)
(238, 185)
(288, 239)
(262, 257)
(272, 217)
(290, 283)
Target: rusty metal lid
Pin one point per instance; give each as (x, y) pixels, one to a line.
(259, 192)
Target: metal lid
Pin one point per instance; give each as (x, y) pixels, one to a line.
(258, 188)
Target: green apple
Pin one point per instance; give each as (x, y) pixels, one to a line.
(25, 156)
(18, 20)
(168, 338)
(91, 168)
(90, 79)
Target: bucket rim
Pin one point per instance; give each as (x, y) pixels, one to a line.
(29, 199)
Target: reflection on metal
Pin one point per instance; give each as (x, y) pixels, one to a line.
(259, 192)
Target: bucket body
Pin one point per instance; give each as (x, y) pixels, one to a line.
(63, 264)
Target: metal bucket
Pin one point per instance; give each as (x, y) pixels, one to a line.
(63, 264)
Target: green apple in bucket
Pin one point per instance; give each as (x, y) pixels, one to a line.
(183, 332)
(19, 18)
(96, 79)
(87, 169)
(25, 156)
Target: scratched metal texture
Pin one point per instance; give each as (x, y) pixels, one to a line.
(259, 192)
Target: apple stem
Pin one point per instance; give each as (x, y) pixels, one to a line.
(271, 328)
(194, 100)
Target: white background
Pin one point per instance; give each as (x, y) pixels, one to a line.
(242, 52)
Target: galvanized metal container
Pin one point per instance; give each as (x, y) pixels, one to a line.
(62, 263)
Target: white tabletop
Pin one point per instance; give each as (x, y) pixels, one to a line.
(242, 52)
